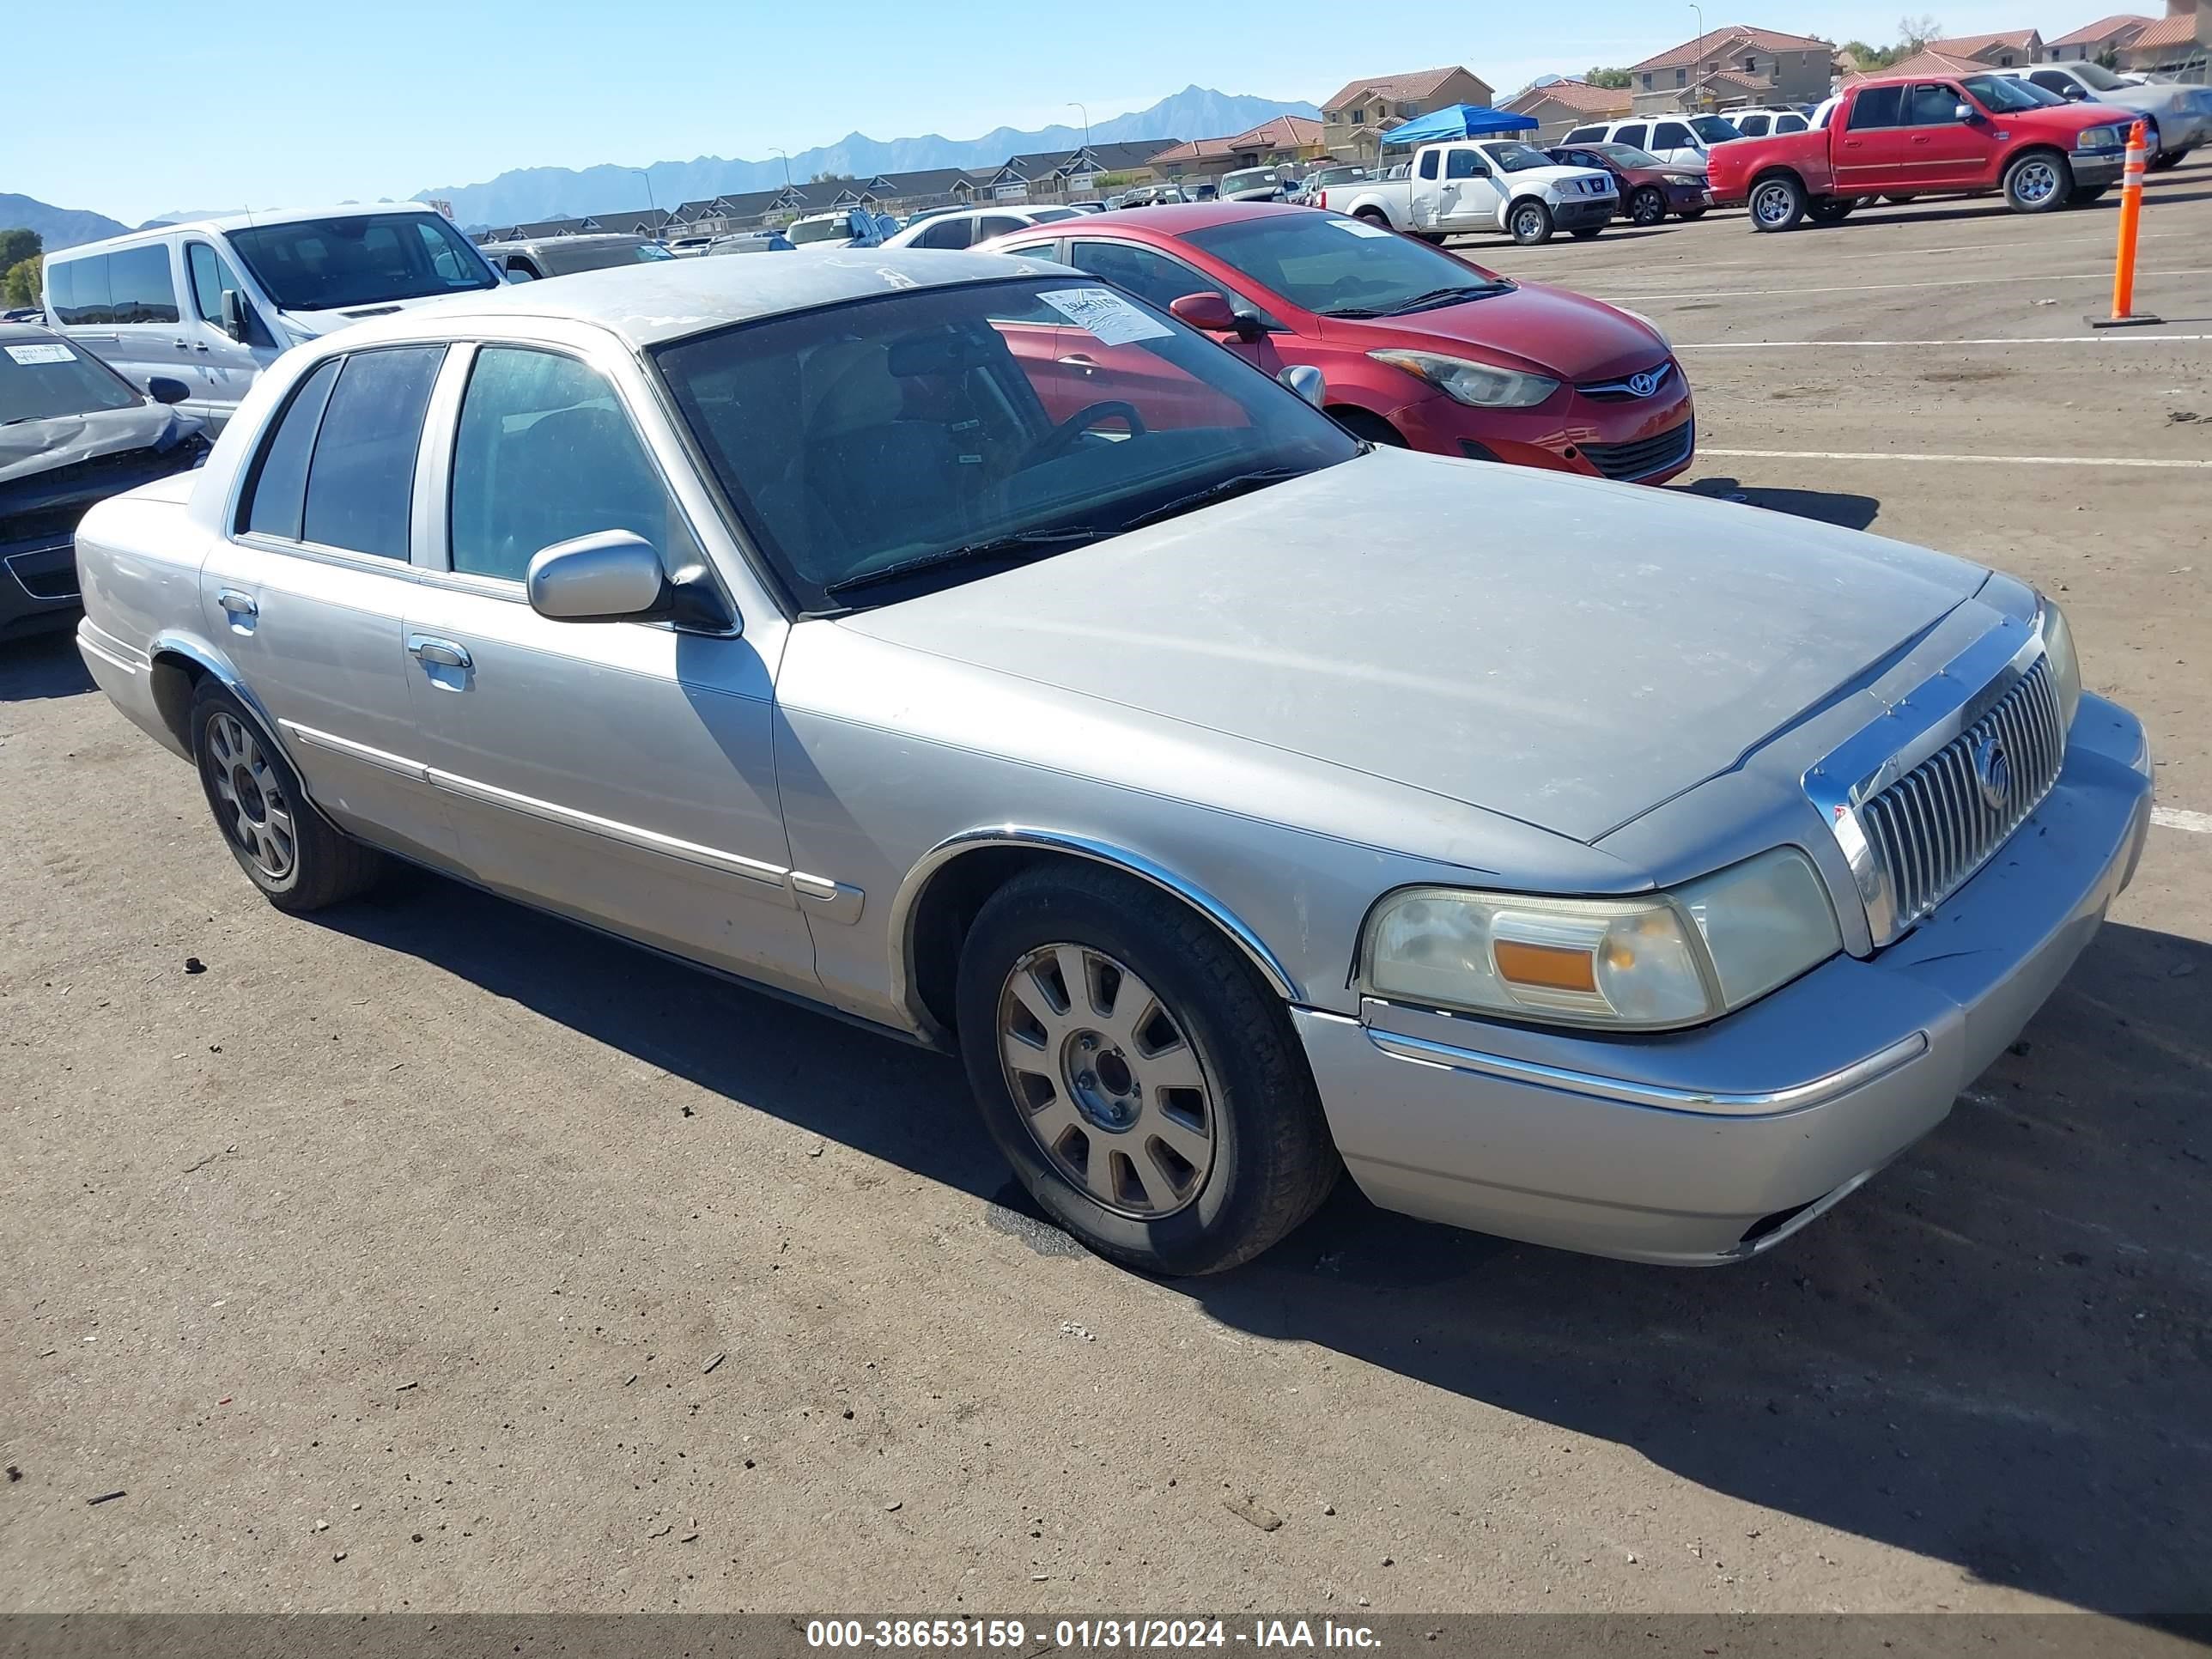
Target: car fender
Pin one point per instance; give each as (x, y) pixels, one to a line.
(173, 683)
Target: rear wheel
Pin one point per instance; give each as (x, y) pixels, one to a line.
(1900, 200)
(1690, 213)
(2038, 182)
(1648, 206)
(1434, 238)
(1373, 217)
(1777, 204)
(1530, 222)
(1146, 1085)
(1830, 209)
(287, 849)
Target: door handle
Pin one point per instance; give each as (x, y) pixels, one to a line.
(444, 653)
(1077, 360)
(238, 604)
(183, 345)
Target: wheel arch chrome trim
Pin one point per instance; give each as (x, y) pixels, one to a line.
(906, 904)
(214, 662)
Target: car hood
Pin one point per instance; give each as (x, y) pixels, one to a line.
(32, 449)
(1509, 182)
(2153, 100)
(1568, 336)
(316, 324)
(1564, 651)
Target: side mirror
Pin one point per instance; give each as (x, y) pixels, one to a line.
(163, 390)
(235, 316)
(2074, 93)
(1962, 111)
(611, 575)
(520, 274)
(1309, 382)
(1213, 312)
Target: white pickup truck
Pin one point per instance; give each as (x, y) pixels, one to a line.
(1483, 184)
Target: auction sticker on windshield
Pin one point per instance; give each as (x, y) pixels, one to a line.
(1108, 315)
(27, 354)
(1360, 227)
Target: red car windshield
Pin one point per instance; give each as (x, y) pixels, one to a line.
(1341, 267)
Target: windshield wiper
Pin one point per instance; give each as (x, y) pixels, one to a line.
(999, 547)
(1242, 483)
(1446, 296)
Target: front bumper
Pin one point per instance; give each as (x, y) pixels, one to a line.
(1580, 213)
(38, 586)
(1628, 436)
(1709, 1145)
(2097, 167)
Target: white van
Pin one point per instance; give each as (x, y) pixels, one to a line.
(1679, 141)
(213, 302)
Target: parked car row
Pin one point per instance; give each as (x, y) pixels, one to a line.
(1244, 804)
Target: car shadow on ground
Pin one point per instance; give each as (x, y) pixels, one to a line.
(42, 665)
(1828, 506)
(1992, 1356)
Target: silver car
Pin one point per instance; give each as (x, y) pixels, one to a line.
(961, 647)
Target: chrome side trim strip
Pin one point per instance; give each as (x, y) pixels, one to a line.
(1121, 858)
(412, 769)
(1816, 1091)
(628, 835)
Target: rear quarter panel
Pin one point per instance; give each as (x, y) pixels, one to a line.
(1731, 167)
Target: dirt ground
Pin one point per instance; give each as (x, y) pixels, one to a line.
(429, 1254)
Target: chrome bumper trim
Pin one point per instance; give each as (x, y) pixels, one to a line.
(1816, 1091)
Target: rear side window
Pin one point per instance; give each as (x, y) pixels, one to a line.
(544, 453)
(361, 485)
(1791, 123)
(279, 489)
(1579, 136)
(997, 225)
(1875, 107)
(80, 291)
(140, 287)
(1754, 126)
(1429, 164)
(956, 231)
(1632, 134)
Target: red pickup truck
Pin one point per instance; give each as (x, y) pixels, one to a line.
(1919, 136)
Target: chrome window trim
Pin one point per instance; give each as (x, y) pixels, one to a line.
(1909, 731)
(1763, 1103)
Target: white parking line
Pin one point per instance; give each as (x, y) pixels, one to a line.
(2172, 818)
(1881, 287)
(1998, 460)
(2117, 337)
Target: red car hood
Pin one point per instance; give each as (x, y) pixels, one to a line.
(1569, 336)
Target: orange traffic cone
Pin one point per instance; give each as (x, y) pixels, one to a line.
(2124, 315)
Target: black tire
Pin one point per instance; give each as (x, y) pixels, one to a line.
(2167, 160)
(1272, 1163)
(1585, 233)
(1777, 204)
(1690, 213)
(1530, 222)
(1434, 238)
(1900, 200)
(315, 864)
(1830, 209)
(2082, 195)
(1373, 217)
(1365, 423)
(2038, 181)
(1648, 206)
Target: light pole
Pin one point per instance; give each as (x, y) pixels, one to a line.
(648, 177)
(1086, 121)
(787, 165)
(1700, 11)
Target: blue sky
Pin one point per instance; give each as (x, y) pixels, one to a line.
(161, 107)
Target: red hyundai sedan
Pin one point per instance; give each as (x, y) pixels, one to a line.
(1418, 347)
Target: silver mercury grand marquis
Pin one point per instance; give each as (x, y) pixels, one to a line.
(954, 644)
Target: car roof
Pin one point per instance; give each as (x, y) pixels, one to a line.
(246, 221)
(594, 238)
(26, 331)
(651, 304)
(1176, 217)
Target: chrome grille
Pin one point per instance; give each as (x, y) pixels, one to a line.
(1934, 827)
(1642, 456)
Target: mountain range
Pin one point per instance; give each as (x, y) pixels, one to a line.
(531, 193)
(57, 228)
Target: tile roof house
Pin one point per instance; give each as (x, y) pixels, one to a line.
(1051, 174)
(1355, 119)
(2176, 43)
(2095, 40)
(1930, 62)
(1285, 138)
(2007, 51)
(1734, 65)
(1564, 104)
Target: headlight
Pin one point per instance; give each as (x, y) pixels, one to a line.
(2098, 139)
(2065, 665)
(1649, 323)
(1683, 178)
(1477, 384)
(1649, 963)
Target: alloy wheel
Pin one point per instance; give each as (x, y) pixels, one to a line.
(1772, 203)
(253, 812)
(1105, 1078)
(2037, 180)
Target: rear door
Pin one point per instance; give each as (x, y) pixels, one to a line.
(1937, 150)
(1868, 151)
(1160, 279)
(307, 589)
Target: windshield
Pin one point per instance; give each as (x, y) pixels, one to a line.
(42, 378)
(2001, 93)
(1517, 158)
(1628, 156)
(838, 228)
(2097, 75)
(1251, 179)
(945, 433)
(1048, 216)
(360, 259)
(566, 258)
(2043, 95)
(1713, 130)
(1341, 267)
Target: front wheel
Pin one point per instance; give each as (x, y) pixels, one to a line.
(1776, 204)
(1530, 222)
(1146, 1085)
(1690, 213)
(2082, 195)
(1647, 207)
(1585, 233)
(2172, 158)
(287, 849)
(2038, 182)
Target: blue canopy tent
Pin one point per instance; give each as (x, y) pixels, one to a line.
(1459, 121)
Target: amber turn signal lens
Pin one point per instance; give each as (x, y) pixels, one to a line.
(1545, 965)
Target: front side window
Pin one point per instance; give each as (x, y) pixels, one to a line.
(2098, 76)
(1150, 275)
(1585, 135)
(41, 377)
(1791, 123)
(1461, 164)
(544, 453)
(1325, 263)
(2006, 95)
(997, 224)
(1632, 134)
(954, 233)
(360, 259)
(1753, 126)
(1671, 135)
(1714, 128)
(1931, 106)
(1515, 158)
(1876, 107)
(210, 274)
(945, 389)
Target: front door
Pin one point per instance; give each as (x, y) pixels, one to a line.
(1470, 198)
(305, 592)
(620, 772)
(1936, 148)
(219, 370)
